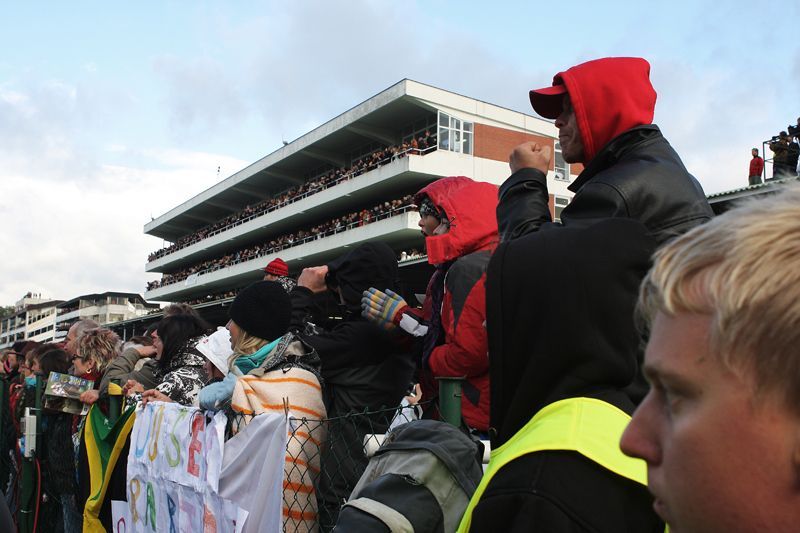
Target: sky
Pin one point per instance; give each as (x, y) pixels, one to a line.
(113, 113)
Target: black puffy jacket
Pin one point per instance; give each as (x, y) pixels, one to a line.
(637, 175)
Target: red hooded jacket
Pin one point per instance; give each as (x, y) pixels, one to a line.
(470, 209)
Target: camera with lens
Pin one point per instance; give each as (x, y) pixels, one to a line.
(794, 131)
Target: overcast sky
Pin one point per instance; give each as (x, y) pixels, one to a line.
(112, 114)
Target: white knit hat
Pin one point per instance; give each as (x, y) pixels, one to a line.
(217, 348)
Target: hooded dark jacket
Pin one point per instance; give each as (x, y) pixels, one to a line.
(561, 296)
(363, 366)
(461, 257)
(632, 173)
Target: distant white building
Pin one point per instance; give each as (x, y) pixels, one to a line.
(467, 137)
(34, 318)
(44, 320)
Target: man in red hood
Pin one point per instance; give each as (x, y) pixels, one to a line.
(458, 221)
(564, 351)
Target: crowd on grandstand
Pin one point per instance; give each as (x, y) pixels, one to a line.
(529, 339)
(331, 227)
(423, 144)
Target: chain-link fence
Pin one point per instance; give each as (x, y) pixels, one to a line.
(325, 459)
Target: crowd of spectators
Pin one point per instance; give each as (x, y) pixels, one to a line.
(336, 225)
(423, 144)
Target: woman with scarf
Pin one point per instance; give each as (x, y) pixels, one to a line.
(272, 370)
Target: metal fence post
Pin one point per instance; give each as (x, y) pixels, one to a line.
(28, 499)
(450, 400)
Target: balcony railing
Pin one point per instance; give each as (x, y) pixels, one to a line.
(275, 249)
(292, 199)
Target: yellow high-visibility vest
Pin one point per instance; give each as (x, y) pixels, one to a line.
(588, 426)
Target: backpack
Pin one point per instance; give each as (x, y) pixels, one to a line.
(419, 481)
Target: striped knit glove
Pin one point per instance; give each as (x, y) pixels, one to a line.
(383, 308)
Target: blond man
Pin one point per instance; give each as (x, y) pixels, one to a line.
(720, 427)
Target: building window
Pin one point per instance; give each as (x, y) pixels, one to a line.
(559, 203)
(561, 166)
(455, 135)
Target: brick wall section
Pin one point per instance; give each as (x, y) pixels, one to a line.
(496, 143)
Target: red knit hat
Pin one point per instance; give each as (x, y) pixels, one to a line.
(277, 267)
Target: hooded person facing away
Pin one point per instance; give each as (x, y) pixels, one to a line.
(564, 350)
(457, 218)
(364, 367)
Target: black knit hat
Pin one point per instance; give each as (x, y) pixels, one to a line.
(263, 310)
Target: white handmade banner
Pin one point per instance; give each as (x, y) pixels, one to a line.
(173, 480)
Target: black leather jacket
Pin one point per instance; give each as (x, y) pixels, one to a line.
(637, 175)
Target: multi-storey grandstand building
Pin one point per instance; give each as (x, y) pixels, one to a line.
(346, 182)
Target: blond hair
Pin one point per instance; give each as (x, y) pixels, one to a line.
(99, 345)
(246, 344)
(742, 269)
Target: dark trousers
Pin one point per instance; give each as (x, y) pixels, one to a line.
(754, 180)
(563, 492)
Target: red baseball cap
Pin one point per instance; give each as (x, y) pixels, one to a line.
(547, 101)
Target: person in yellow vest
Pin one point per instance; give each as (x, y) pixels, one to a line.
(720, 427)
(564, 351)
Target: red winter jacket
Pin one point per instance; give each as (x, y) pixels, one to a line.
(470, 208)
(756, 166)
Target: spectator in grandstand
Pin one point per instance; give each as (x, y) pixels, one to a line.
(179, 372)
(780, 149)
(756, 167)
(719, 427)
(277, 270)
(311, 186)
(364, 366)
(75, 331)
(457, 218)
(336, 225)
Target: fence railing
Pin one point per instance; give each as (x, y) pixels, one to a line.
(324, 459)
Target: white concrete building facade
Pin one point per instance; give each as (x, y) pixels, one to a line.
(472, 138)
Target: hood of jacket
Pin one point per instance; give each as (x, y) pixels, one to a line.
(609, 96)
(471, 210)
(372, 264)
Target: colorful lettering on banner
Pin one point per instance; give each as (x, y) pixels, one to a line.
(153, 448)
(172, 509)
(120, 516)
(209, 523)
(176, 443)
(135, 490)
(150, 512)
(191, 511)
(173, 473)
(142, 421)
(196, 445)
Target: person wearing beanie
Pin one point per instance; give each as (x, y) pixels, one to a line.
(269, 368)
(277, 270)
(365, 367)
(572, 376)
